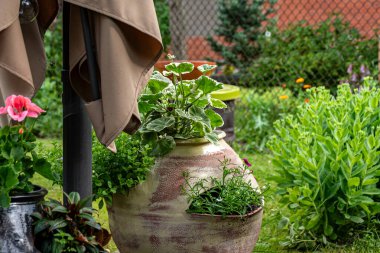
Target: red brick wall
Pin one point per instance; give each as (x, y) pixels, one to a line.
(362, 14)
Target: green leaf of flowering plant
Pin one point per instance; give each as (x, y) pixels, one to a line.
(208, 85)
(206, 68)
(215, 119)
(212, 137)
(43, 167)
(160, 124)
(180, 68)
(217, 103)
(5, 200)
(164, 146)
(196, 111)
(158, 82)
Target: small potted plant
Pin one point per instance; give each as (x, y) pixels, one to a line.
(225, 206)
(68, 227)
(18, 163)
(178, 122)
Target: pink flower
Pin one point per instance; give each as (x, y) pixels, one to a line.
(20, 107)
(246, 162)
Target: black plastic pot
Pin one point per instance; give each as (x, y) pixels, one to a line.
(16, 235)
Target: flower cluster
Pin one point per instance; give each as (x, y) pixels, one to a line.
(20, 107)
(303, 87)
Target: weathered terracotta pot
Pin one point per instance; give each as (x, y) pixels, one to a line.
(153, 218)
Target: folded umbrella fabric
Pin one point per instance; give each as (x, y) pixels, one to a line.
(22, 55)
(127, 44)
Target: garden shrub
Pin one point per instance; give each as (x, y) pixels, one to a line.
(321, 53)
(49, 97)
(327, 160)
(119, 172)
(256, 112)
(163, 10)
(240, 24)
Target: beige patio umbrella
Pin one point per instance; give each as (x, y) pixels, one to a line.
(22, 55)
(127, 44)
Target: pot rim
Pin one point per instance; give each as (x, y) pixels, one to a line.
(193, 61)
(221, 135)
(230, 217)
(36, 195)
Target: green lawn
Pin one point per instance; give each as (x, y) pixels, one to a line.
(269, 236)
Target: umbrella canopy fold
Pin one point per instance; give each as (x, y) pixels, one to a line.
(22, 55)
(127, 44)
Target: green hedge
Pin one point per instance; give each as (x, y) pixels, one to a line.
(320, 53)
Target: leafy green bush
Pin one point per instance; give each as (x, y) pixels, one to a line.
(119, 172)
(256, 112)
(321, 53)
(327, 160)
(49, 96)
(162, 10)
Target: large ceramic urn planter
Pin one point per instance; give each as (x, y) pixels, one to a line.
(153, 218)
(16, 235)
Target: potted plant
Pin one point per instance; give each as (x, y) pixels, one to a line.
(68, 227)
(226, 207)
(18, 163)
(195, 73)
(179, 123)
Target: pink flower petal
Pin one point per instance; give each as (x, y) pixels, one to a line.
(32, 114)
(3, 110)
(246, 162)
(8, 100)
(11, 113)
(22, 116)
(33, 107)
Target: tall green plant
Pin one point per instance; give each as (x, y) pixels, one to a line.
(327, 160)
(240, 24)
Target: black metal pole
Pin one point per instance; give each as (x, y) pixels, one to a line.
(90, 52)
(77, 156)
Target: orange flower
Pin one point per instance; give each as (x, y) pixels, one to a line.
(300, 80)
(283, 97)
(307, 100)
(307, 86)
(21, 130)
(283, 85)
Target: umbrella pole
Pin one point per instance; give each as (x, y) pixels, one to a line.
(77, 156)
(91, 58)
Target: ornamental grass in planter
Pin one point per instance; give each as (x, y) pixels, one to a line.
(179, 124)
